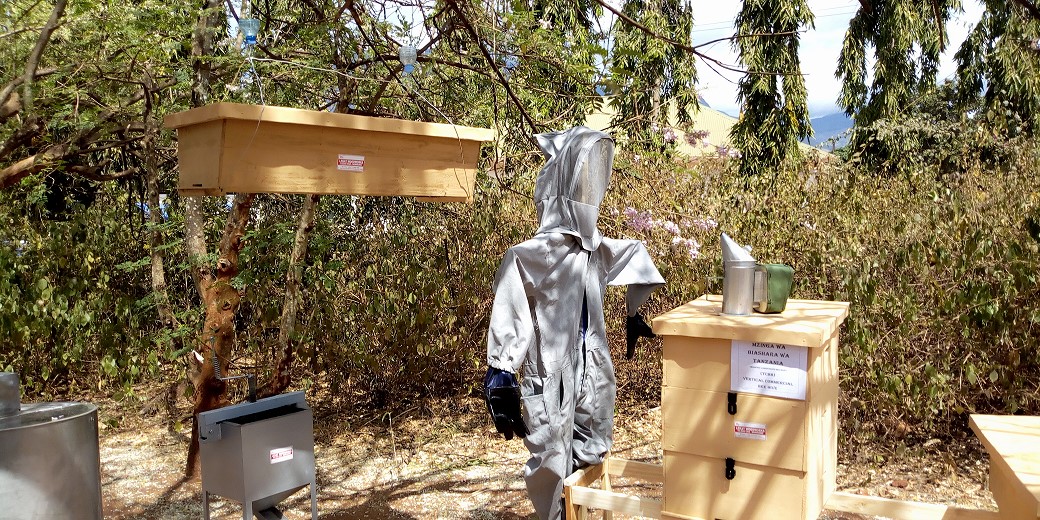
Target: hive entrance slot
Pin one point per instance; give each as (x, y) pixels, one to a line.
(266, 414)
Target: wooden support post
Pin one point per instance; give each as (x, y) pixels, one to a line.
(607, 514)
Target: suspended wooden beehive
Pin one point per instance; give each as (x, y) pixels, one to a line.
(234, 148)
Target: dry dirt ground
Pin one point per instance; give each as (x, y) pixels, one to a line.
(441, 460)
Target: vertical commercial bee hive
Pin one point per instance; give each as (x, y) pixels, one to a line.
(749, 408)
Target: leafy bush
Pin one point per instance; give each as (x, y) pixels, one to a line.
(940, 270)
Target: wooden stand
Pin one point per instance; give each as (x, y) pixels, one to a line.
(233, 148)
(579, 496)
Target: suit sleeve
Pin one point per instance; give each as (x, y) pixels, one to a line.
(511, 332)
(628, 263)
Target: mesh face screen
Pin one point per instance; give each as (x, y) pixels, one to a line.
(594, 174)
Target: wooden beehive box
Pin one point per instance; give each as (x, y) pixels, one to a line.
(1014, 462)
(780, 443)
(234, 148)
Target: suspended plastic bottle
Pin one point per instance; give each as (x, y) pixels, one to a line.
(407, 56)
(249, 27)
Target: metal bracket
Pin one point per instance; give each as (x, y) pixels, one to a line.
(731, 470)
(731, 401)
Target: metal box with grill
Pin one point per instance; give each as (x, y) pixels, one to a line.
(258, 453)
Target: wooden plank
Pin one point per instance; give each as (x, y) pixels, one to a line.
(255, 113)
(573, 510)
(1012, 442)
(697, 422)
(635, 469)
(665, 515)
(584, 477)
(1012, 500)
(807, 323)
(616, 502)
(903, 510)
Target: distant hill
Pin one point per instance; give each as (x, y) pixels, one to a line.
(827, 127)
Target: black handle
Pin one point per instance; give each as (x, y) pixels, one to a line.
(731, 471)
(731, 400)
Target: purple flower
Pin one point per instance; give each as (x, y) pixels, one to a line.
(695, 137)
(638, 220)
(694, 248)
(691, 245)
(670, 227)
(669, 135)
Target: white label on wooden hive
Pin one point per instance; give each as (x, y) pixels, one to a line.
(350, 163)
(768, 369)
(281, 455)
(749, 430)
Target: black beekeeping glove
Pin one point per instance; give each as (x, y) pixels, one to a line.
(502, 394)
(635, 328)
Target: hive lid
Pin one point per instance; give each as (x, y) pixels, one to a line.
(36, 414)
(296, 116)
(807, 323)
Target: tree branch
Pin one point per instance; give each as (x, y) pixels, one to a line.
(937, 13)
(1030, 7)
(9, 99)
(33, 62)
(491, 63)
(628, 19)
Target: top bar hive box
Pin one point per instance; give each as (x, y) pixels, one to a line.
(234, 148)
(764, 451)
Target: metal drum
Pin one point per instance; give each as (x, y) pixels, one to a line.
(50, 464)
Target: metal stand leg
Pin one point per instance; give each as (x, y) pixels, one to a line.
(205, 505)
(314, 499)
(247, 510)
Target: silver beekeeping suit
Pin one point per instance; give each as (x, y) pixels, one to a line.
(547, 320)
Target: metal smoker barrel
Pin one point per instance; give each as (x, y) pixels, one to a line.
(50, 464)
(258, 453)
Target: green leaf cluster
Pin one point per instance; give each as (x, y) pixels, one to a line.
(774, 114)
(649, 76)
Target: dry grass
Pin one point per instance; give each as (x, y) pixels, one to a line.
(442, 460)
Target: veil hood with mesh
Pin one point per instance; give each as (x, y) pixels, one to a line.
(573, 182)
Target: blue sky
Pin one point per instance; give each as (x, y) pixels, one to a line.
(818, 52)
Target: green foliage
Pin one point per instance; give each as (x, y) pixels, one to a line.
(906, 37)
(648, 75)
(774, 113)
(1000, 62)
(933, 136)
(938, 261)
(940, 270)
(71, 320)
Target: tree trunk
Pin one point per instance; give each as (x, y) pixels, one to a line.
(219, 298)
(287, 325)
(155, 220)
(195, 242)
(221, 301)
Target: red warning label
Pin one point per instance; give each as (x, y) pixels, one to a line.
(281, 454)
(350, 163)
(745, 430)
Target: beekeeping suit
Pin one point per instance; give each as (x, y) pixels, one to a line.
(547, 320)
